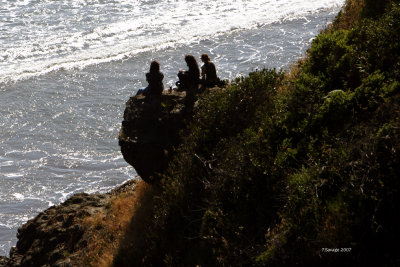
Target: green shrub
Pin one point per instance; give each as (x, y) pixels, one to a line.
(332, 58)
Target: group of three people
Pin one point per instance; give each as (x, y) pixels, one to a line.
(188, 80)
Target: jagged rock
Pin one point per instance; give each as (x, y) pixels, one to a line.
(53, 236)
(150, 130)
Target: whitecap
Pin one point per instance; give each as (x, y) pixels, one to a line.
(18, 196)
(6, 163)
(14, 175)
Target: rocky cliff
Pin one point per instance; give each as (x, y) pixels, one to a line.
(58, 235)
(150, 131)
(52, 237)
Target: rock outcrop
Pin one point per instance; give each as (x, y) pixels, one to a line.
(56, 236)
(150, 131)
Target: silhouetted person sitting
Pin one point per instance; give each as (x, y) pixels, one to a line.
(189, 80)
(208, 72)
(154, 77)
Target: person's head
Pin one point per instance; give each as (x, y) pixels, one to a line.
(205, 58)
(191, 61)
(154, 66)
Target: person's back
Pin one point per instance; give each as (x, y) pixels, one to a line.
(193, 77)
(189, 80)
(193, 74)
(155, 83)
(208, 72)
(154, 77)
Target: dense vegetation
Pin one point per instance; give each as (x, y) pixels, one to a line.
(278, 168)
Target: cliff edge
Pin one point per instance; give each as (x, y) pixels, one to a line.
(150, 131)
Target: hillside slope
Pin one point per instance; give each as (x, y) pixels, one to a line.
(288, 168)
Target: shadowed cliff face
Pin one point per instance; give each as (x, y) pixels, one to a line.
(150, 130)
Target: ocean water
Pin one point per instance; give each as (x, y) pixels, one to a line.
(67, 67)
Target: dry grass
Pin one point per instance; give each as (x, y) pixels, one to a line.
(134, 238)
(105, 230)
(290, 76)
(350, 14)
